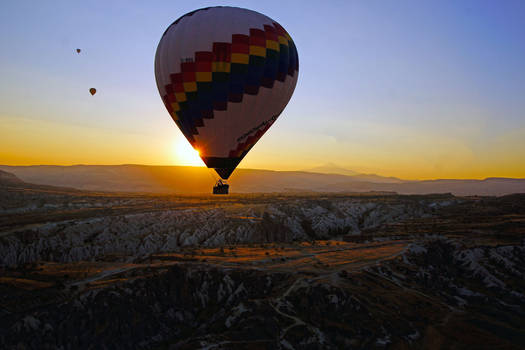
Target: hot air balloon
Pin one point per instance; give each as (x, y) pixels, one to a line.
(225, 75)
(92, 91)
(78, 50)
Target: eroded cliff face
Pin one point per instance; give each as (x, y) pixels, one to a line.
(88, 270)
(435, 292)
(150, 230)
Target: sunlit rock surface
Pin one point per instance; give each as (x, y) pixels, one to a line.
(97, 270)
(149, 230)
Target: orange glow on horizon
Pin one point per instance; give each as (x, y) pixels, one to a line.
(418, 157)
(185, 154)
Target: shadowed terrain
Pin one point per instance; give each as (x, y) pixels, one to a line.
(199, 180)
(291, 271)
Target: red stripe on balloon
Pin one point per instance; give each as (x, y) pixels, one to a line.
(187, 67)
(258, 41)
(222, 52)
(203, 56)
(203, 66)
(176, 78)
(188, 77)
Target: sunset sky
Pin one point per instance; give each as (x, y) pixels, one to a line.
(412, 89)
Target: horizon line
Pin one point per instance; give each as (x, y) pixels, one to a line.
(259, 169)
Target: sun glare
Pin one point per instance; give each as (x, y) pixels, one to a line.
(185, 154)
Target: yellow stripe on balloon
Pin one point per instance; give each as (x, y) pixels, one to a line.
(283, 40)
(256, 51)
(180, 96)
(203, 76)
(272, 44)
(221, 67)
(240, 58)
(190, 87)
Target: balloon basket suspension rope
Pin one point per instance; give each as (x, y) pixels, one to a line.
(221, 187)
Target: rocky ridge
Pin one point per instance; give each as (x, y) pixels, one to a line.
(137, 235)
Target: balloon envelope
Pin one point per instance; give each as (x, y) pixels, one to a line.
(225, 74)
(92, 91)
(78, 50)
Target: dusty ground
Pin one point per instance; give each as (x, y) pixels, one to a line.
(94, 270)
(316, 258)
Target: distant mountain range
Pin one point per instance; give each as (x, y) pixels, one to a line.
(185, 179)
(332, 169)
(8, 178)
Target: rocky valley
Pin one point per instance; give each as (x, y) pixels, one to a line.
(99, 270)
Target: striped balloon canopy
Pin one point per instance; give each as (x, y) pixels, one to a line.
(225, 75)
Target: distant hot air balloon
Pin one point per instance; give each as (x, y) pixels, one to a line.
(78, 50)
(225, 74)
(92, 91)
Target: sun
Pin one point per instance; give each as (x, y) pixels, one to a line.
(185, 154)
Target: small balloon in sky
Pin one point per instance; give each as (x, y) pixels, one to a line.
(92, 91)
(78, 50)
